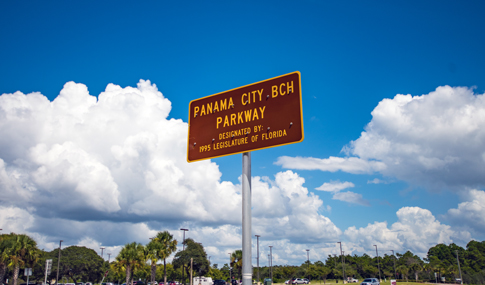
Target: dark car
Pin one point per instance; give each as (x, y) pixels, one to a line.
(219, 282)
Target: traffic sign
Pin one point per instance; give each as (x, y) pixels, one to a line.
(28, 271)
(48, 266)
(252, 117)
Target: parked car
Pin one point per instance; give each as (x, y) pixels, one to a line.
(352, 280)
(299, 281)
(306, 280)
(287, 282)
(219, 282)
(370, 281)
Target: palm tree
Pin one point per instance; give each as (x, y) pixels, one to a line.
(131, 257)
(151, 254)
(22, 251)
(117, 269)
(236, 261)
(5, 243)
(403, 269)
(416, 267)
(165, 245)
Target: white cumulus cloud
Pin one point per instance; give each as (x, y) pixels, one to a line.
(416, 230)
(107, 170)
(470, 213)
(433, 140)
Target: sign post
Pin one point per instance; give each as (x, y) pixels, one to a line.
(247, 271)
(48, 268)
(252, 117)
(28, 272)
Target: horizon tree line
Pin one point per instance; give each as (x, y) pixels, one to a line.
(140, 262)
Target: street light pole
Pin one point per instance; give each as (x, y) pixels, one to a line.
(271, 262)
(102, 248)
(269, 265)
(183, 265)
(343, 270)
(230, 270)
(308, 261)
(257, 256)
(378, 265)
(459, 269)
(58, 262)
(395, 274)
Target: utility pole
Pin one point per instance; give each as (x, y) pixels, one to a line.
(102, 248)
(183, 246)
(269, 265)
(271, 262)
(341, 254)
(257, 256)
(378, 265)
(58, 262)
(459, 269)
(230, 271)
(109, 257)
(395, 274)
(308, 261)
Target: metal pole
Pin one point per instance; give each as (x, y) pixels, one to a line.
(395, 274)
(308, 258)
(308, 261)
(102, 248)
(46, 267)
(343, 270)
(271, 262)
(109, 257)
(378, 265)
(269, 265)
(58, 262)
(246, 219)
(257, 257)
(183, 246)
(230, 270)
(459, 269)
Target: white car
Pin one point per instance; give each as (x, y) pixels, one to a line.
(352, 280)
(370, 281)
(299, 281)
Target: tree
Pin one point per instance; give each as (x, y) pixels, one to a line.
(117, 271)
(403, 270)
(79, 263)
(5, 244)
(322, 272)
(195, 251)
(165, 245)
(22, 251)
(131, 257)
(236, 262)
(416, 268)
(151, 254)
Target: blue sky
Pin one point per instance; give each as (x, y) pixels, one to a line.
(352, 55)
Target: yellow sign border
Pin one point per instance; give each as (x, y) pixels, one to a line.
(216, 156)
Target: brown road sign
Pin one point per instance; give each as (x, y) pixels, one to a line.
(256, 116)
